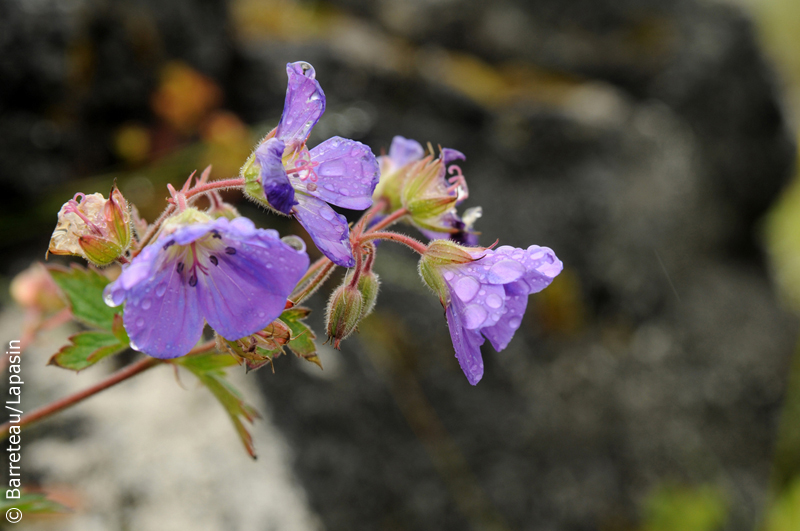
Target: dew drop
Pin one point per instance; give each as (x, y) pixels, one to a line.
(139, 322)
(514, 322)
(448, 275)
(108, 299)
(327, 214)
(474, 316)
(344, 191)
(269, 265)
(482, 292)
(146, 304)
(311, 187)
(466, 288)
(505, 271)
(329, 187)
(161, 289)
(494, 301)
(331, 168)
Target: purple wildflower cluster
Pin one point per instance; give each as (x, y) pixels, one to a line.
(193, 266)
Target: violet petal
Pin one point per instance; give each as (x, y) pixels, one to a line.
(246, 290)
(328, 229)
(516, 301)
(404, 150)
(467, 345)
(277, 188)
(305, 103)
(347, 172)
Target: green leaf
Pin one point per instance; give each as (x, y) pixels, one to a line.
(86, 349)
(83, 289)
(302, 341)
(209, 369)
(32, 503)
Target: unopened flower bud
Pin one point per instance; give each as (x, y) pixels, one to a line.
(368, 285)
(94, 228)
(343, 313)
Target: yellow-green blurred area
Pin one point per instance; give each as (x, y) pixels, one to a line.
(654, 386)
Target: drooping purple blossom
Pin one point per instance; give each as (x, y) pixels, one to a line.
(488, 297)
(302, 182)
(229, 273)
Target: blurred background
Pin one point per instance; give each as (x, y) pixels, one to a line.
(655, 386)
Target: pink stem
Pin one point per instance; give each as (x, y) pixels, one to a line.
(408, 241)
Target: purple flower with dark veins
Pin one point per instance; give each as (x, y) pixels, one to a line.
(485, 293)
(301, 182)
(229, 273)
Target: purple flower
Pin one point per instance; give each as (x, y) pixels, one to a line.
(301, 182)
(485, 298)
(231, 274)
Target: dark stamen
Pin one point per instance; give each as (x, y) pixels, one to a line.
(180, 267)
(215, 234)
(213, 259)
(169, 244)
(230, 250)
(193, 280)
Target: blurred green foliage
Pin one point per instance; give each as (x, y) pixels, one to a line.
(679, 508)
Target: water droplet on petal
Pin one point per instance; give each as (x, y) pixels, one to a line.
(514, 322)
(482, 292)
(505, 271)
(474, 316)
(494, 300)
(466, 288)
(448, 275)
(139, 322)
(326, 214)
(146, 304)
(331, 168)
(344, 191)
(329, 187)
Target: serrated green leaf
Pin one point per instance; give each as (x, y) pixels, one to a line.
(302, 341)
(209, 369)
(29, 503)
(86, 349)
(83, 289)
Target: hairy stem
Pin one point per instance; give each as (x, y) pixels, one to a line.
(215, 185)
(388, 220)
(408, 241)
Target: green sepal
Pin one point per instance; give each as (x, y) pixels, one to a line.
(433, 279)
(302, 340)
(210, 370)
(252, 182)
(83, 289)
(86, 349)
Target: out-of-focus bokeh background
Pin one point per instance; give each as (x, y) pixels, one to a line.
(655, 386)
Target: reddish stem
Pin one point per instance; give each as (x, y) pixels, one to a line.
(388, 220)
(408, 241)
(215, 185)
